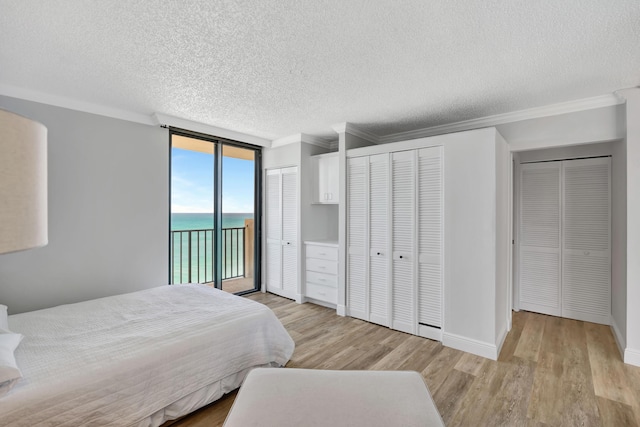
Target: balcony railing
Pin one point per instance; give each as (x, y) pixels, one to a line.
(192, 254)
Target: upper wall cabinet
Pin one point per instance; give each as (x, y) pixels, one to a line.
(326, 173)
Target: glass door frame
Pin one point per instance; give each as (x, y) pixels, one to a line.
(218, 144)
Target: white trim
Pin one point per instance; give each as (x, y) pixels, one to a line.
(620, 339)
(73, 104)
(303, 137)
(352, 130)
(470, 345)
(341, 310)
(632, 357)
(166, 120)
(515, 116)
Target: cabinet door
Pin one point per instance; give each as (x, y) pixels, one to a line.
(273, 227)
(430, 202)
(403, 231)
(290, 231)
(328, 179)
(540, 203)
(586, 252)
(379, 279)
(357, 238)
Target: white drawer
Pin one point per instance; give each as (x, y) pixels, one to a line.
(322, 293)
(322, 279)
(322, 265)
(322, 252)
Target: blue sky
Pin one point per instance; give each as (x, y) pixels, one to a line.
(192, 183)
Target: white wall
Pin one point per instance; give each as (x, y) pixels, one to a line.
(596, 125)
(619, 241)
(503, 239)
(632, 352)
(470, 239)
(108, 211)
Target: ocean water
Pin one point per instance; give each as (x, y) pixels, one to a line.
(201, 221)
(200, 260)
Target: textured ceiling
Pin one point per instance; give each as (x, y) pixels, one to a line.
(272, 68)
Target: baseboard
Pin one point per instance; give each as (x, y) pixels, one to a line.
(620, 339)
(341, 310)
(470, 345)
(501, 337)
(632, 357)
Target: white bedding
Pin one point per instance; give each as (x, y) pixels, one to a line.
(121, 360)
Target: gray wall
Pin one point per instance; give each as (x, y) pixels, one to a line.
(108, 211)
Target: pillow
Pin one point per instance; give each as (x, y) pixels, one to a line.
(9, 372)
(4, 324)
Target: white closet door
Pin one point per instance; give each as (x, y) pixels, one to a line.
(273, 221)
(290, 231)
(378, 239)
(540, 203)
(403, 230)
(430, 239)
(586, 284)
(357, 237)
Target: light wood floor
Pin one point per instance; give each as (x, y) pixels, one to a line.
(551, 371)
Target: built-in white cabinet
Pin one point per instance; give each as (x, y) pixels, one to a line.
(565, 239)
(322, 271)
(327, 175)
(281, 224)
(394, 240)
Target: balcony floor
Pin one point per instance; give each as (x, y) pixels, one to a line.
(235, 285)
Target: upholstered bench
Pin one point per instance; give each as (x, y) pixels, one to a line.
(306, 397)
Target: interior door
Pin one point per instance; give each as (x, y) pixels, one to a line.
(402, 240)
(290, 231)
(586, 250)
(540, 222)
(357, 237)
(379, 279)
(273, 223)
(430, 196)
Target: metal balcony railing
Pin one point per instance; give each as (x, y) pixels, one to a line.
(192, 255)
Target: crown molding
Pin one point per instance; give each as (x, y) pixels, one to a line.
(353, 130)
(301, 137)
(73, 104)
(177, 122)
(516, 116)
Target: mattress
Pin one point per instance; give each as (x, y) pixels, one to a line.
(123, 360)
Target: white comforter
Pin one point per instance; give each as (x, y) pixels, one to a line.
(118, 360)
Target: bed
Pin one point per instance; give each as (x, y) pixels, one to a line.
(138, 359)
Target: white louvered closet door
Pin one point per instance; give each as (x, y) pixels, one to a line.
(379, 287)
(540, 221)
(586, 265)
(430, 203)
(290, 231)
(273, 220)
(357, 237)
(402, 240)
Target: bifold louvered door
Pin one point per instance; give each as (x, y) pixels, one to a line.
(402, 241)
(379, 283)
(430, 258)
(281, 193)
(367, 261)
(540, 219)
(357, 237)
(586, 243)
(565, 249)
(394, 231)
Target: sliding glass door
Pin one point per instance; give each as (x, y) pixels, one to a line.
(215, 211)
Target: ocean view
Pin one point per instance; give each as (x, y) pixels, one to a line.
(201, 221)
(202, 246)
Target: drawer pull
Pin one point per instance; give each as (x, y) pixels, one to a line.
(322, 280)
(322, 267)
(378, 253)
(322, 253)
